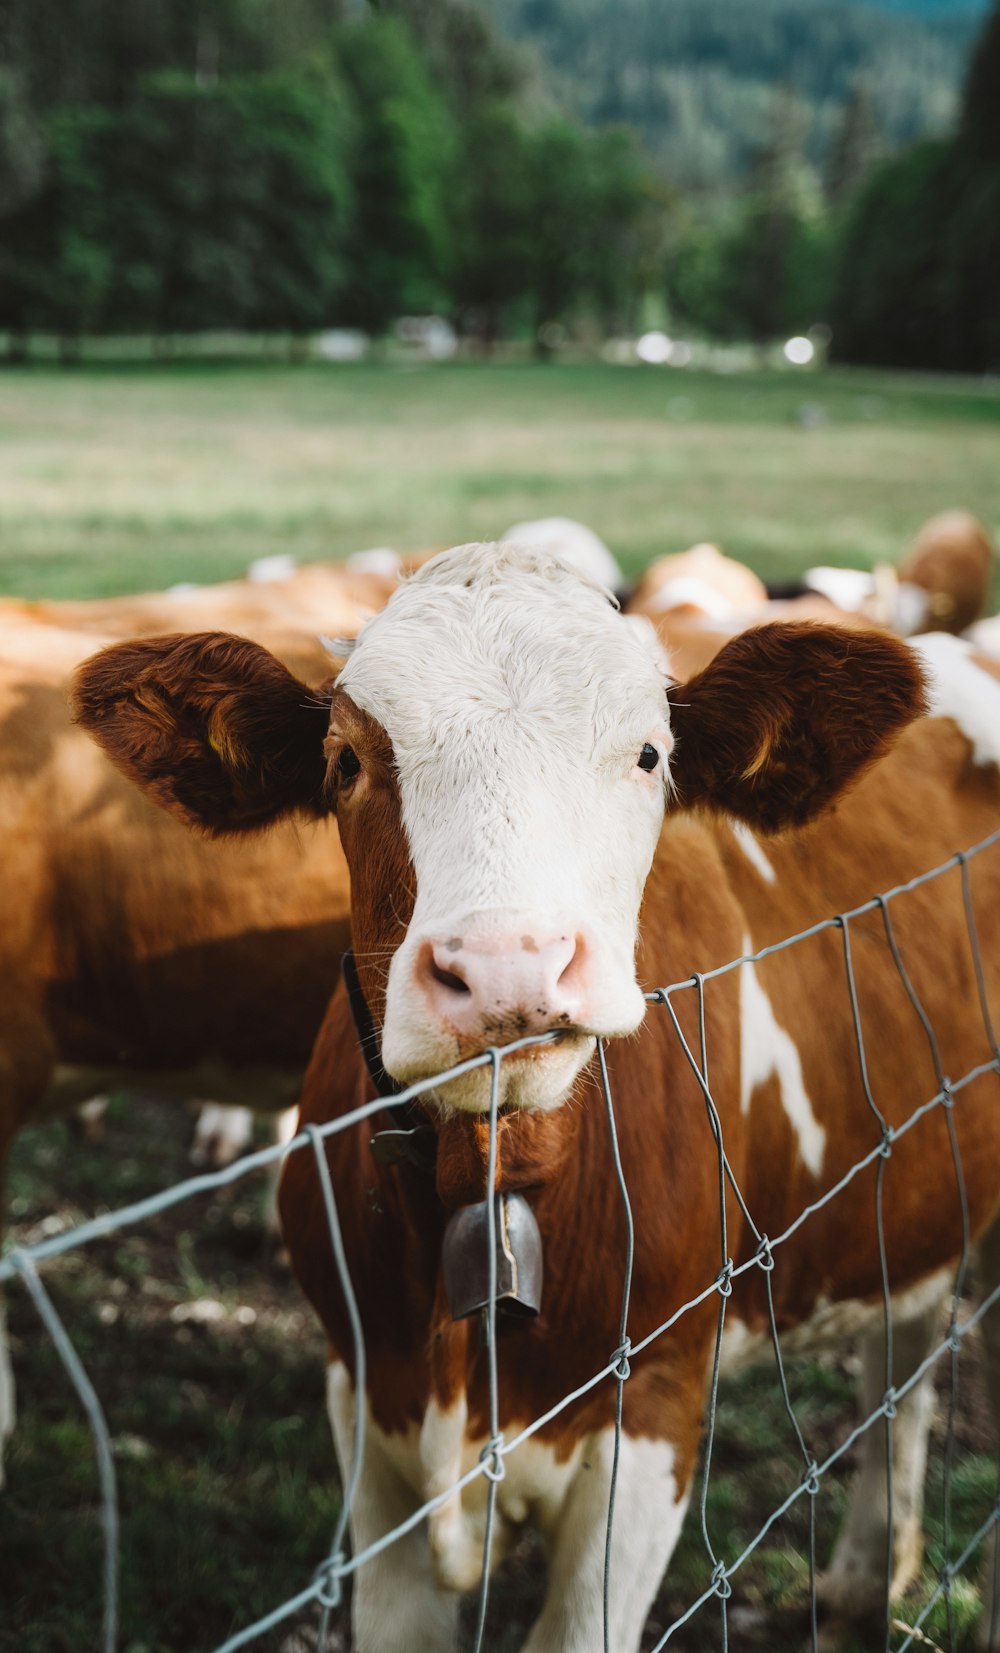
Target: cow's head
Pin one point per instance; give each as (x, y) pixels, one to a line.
(499, 750)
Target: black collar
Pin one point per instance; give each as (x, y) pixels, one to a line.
(410, 1137)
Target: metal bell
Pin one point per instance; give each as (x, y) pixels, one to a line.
(465, 1258)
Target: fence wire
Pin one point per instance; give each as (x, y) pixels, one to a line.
(325, 1591)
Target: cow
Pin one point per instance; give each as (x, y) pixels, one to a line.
(134, 955)
(698, 599)
(276, 601)
(311, 598)
(539, 829)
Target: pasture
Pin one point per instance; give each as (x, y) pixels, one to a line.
(123, 479)
(209, 1364)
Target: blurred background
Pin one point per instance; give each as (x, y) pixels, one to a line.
(311, 276)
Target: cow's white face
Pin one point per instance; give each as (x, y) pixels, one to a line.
(529, 737)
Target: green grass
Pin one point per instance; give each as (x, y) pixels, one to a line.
(122, 478)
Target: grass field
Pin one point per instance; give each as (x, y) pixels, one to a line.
(118, 479)
(208, 1363)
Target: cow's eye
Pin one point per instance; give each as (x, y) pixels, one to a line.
(348, 765)
(649, 757)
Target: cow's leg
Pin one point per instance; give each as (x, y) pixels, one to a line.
(854, 1586)
(649, 1510)
(397, 1603)
(988, 1271)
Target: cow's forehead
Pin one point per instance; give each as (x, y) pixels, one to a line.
(488, 631)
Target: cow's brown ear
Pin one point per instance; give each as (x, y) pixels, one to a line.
(211, 727)
(786, 716)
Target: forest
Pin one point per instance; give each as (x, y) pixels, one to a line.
(530, 169)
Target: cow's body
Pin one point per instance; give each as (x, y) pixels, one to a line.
(135, 955)
(789, 1135)
(317, 597)
(783, 1067)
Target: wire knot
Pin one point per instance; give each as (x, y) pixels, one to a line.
(948, 1573)
(720, 1583)
(953, 1341)
(885, 1146)
(764, 1257)
(328, 1577)
(622, 1369)
(724, 1279)
(810, 1478)
(491, 1459)
(947, 1094)
(889, 1403)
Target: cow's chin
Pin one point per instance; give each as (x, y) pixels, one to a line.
(535, 1080)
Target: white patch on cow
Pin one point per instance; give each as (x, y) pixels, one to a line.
(267, 570)
(574, 542)
(985, 635)
(909, 608)
(830, 1325)
(222, 1132)
(753, 852)
(649, 1514)
(380, 559)
(766, 1049)
(517, 701)
(686, 589)
(8, 1403)
(91, 1116)
(565, 1497)
(849, 588)
(963, 691)
(397, 1601)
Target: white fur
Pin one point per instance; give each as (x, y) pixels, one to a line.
(266, 570)
(517, 701)
(380, 559)
(850, 588)
(685, 589)
(222, 1132)
(649, 1514)
(961, 690)
(985, 635)
(407, 1595)
(397, 1601)
(766, 1049)
(753, 851)
(574, 542)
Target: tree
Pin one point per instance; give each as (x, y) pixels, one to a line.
(404, 169)
(855, 147)
(492, 219)
(979, 131)
(189, 208)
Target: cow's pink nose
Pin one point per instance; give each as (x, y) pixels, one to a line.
(505, 985)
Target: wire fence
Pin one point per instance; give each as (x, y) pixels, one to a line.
(324, 1591)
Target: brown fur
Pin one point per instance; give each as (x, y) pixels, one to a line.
(952, 558)
(786, 716)
(743, 747)
(132, 952)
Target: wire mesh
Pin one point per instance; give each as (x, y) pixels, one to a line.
(325, 1591)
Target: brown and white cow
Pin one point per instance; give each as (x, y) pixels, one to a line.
(132, 954)
(537, 833)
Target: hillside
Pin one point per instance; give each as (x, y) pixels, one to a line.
(698, 78)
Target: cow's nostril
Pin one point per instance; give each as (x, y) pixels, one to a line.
(568, 975)
(448, 978)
